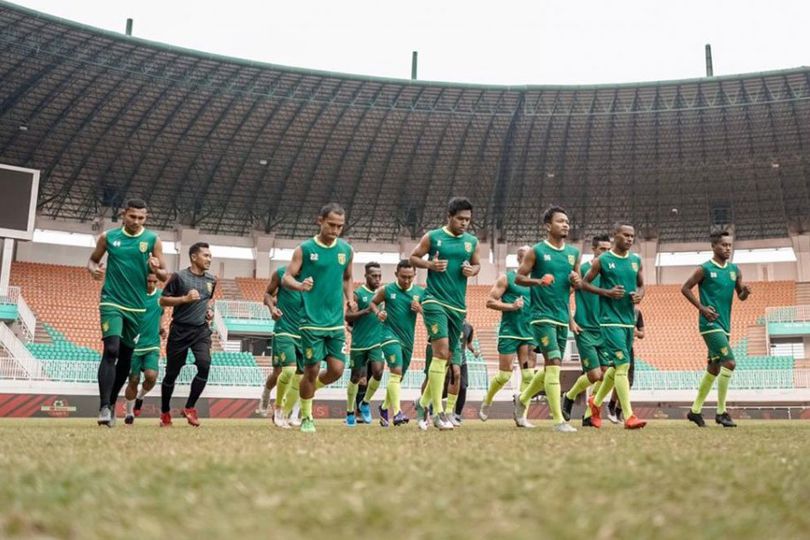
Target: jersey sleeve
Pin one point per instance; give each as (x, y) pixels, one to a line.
(173, 286)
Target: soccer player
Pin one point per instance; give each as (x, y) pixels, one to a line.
(717, 280)
(285, 308)
(550, 269)
(452, 259)
(189, 292)
(588, 334)
(365, 351)
(468, 339)
(321, 268)
(146, 355)
(514, 332)
(132, 252)
(621, 287)
(402, 301)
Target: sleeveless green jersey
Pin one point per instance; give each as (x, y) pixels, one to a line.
(367, 330)
(623, 271)
(717, 290)
(449, 288)
(149, 335)
(323, 305)
(289, 302)
(401, 321)
(127, 268)
(587, 313)
(551, 304)
(515, 324)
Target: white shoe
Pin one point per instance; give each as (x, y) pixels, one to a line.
(455, 420)
(440, 421)
(279, 420)
(565, 427)
(264, 407)
(520, 412)
(522, 422)
(423, 424)
(613, 417)
(527, 424)
(483, 412)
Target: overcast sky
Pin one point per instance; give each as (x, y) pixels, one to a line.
(492, 42)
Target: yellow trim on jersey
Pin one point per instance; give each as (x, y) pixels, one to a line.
(617, 325)
(124, 230)
(363, 286)
(361, 349)
(334, 243)
(390, 341)
(515, 337)
(153, 293)
(119, 306)
(285, 334)
(548, 321)
(448, 231)
(401, 289)
(155, 348)
(552, 246)
(321, 328)
(434, 301)
(715, 331)
(620, 256)
(725, 265)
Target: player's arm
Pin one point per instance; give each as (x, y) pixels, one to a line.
(575, 277)
(496, 294)
(474, 266)
(354, 315)
(348, 286)
(695, 279)
(172, 295)
(94, 264)
(525, 271)
(587, 285)
(417, 257)
(293, 270)
(271, 296)
(209, 314)
(572, 324)
(743, 289)
(638, 294)
(157, 262)
(376, 301)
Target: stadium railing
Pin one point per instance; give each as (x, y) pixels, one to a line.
(26, 317)
(743, 379)
(20, 354)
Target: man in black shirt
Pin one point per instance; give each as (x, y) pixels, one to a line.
(189, 292)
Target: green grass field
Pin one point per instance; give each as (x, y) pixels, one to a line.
(244, 479)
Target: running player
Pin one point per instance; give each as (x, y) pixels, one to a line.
(621, 288)
(550, 269)
(146, 355)
(402, 300)
(588, 334)
(132, 252)
(514, 332)
(452, 259)
(717, 280)
(365, 352)
(321, 268)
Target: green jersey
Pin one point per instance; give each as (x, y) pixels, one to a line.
(401, 320)
(323, 305)
(551, 304)
(587, 313)
(717, 290)
(149, 335)
(617, 270)
(515, 324)
(367, 330)
(127, 268)
(289, 302)
(449, 288)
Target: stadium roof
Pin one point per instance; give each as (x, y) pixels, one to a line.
(231, 146)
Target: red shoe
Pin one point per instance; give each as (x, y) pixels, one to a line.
(138, 406)
(191, 416)
(596, 414)
(634, 423)
(165, 419)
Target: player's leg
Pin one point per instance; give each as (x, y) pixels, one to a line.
(436, 321)
(131, 325)
(131, 392)
(455, 329)
(552, 381)
(176, 352)
(591, 370)
(201, 349)
(375, 366)
(621, 379)
(392, 352)
(357, 365)
(713, 345)
(462, 392)
(293, 392)
(111, 332)
(269, 384)
(727, 365)
(507, 348)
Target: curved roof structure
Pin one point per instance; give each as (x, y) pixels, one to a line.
(232, 146)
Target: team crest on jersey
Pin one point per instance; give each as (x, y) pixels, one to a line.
(309, 353)
(143, 246)
(392, 358)
(105, 326)
(572, 260)
(733, 276)
(724, 351)
(341, 258)
(210, 287)
(634, 266)
(282, 356)
(620, 355)
(438, 243)
(434, 328)
(468, 247)
(544, 341)
(365, 298)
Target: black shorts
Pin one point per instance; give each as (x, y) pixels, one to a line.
(183, 338)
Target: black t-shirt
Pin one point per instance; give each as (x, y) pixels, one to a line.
(193, 313)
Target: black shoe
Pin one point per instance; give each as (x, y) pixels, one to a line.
(697, 418)
(586, 422)
(129, 419)
(138, 404)
(567, 405)
(724, 420)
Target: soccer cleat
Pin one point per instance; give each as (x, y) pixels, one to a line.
(190, 414)
(697, 418)
(523, 422)
(165, 419)
(105, 416)
(384, 416)
(596, 414)
(565, 427)
(612, 416)
(520, 412)
(138, 407)
(351, 419)
(308, 425)
(423, 424)
(567, 405)
(264, 407)
(129, 419)
(279, 420)
(634, 423)
(400, 419)
(483, 412)
(294, 420)
(442, 422)
(454, 419)
(586, 422)
(365, 412)
(421, 413)
(725, 420)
